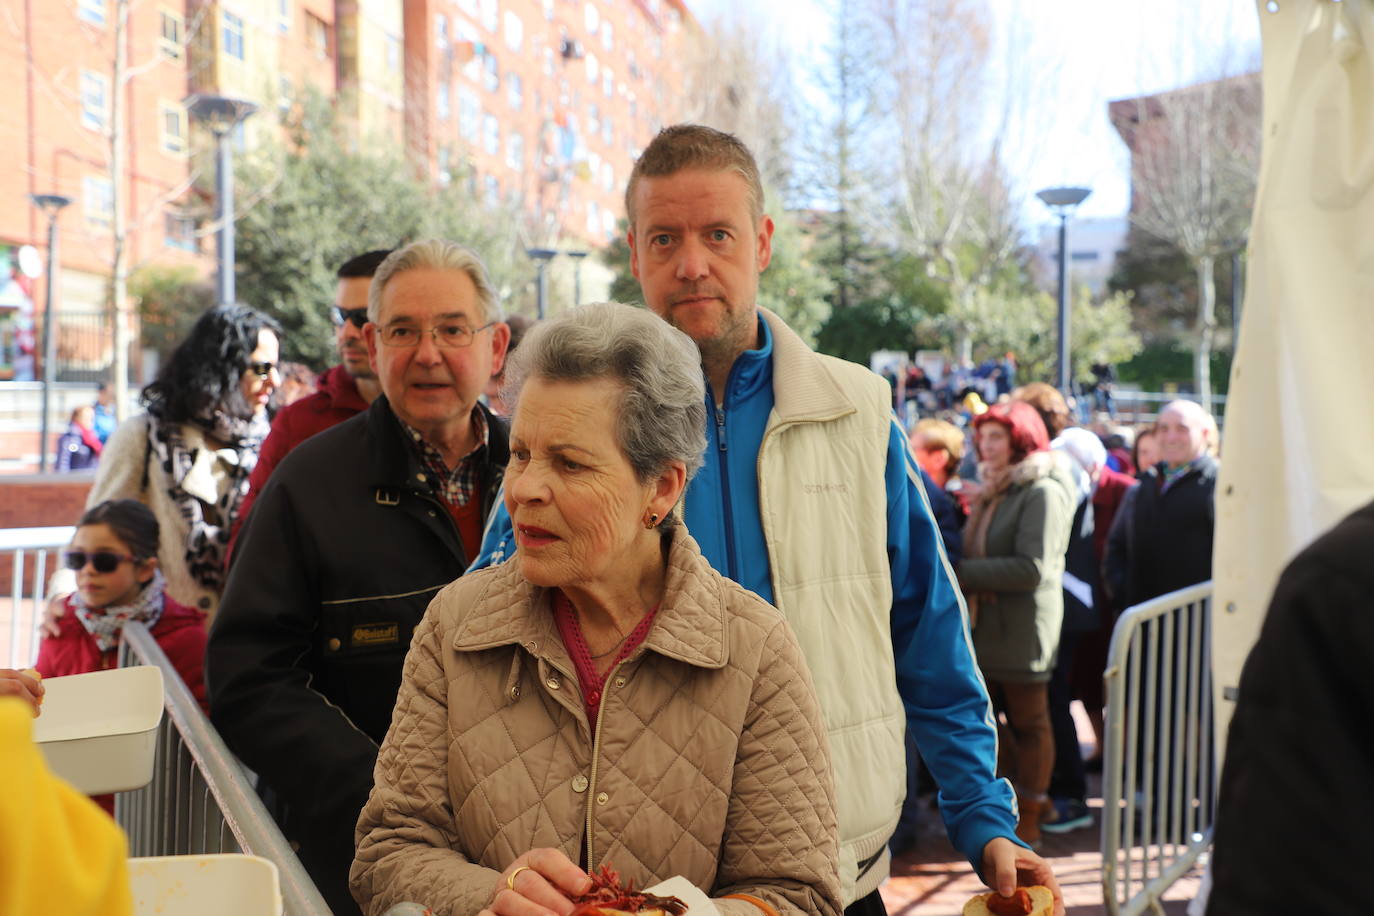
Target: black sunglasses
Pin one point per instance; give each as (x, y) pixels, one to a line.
(261, 370)
(340, 315)
(104, 561)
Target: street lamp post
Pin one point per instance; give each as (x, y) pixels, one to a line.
(1062, 201)
(577, 257)
(221, 114)
(51, 205)
(542, 257)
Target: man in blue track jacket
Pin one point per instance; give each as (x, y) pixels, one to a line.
(810, 497)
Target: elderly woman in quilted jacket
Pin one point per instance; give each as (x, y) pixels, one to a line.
(604, 697)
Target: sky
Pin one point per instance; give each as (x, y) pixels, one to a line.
(1078, 55)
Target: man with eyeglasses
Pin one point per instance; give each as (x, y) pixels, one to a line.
(343, 391)
(351, 537)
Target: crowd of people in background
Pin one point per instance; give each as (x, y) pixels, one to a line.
(310, 522)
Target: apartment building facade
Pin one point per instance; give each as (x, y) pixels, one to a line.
(543, 103)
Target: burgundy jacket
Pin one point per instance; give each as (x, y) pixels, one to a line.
(337, 399)
(180, 632)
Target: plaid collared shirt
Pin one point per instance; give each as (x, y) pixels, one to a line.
(458, 486)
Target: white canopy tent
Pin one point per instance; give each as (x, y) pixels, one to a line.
(1298, 451)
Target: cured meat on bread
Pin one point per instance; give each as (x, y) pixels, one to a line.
(609, 897)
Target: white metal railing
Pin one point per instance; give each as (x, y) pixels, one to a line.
(201, 799)
(1159, 765)
(32, 553)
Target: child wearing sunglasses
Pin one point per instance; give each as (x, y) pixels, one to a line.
(114, 556)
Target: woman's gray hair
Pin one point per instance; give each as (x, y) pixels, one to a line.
(662, 415)
(438, 254)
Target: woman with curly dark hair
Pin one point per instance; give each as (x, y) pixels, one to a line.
(188, 458)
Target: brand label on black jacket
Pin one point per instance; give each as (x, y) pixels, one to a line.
(376, 634)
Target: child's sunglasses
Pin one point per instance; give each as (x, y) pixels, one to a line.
(104, 561)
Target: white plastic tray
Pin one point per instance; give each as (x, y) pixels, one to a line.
(217, 885)
(98, 731)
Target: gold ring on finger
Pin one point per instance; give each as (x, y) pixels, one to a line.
(510, 879)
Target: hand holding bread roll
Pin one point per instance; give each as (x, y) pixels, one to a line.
(26, 685)
(1036, 900)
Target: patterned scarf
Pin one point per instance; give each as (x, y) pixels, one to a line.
(208, 486)
(106, 624)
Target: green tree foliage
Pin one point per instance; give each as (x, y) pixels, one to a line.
(170, 299)
(319, 203)
(1025, 324)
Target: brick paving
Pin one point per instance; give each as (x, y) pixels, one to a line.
(934, 880)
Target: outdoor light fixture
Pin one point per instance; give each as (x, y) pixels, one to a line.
(51, 205)
(221, 114)
(1062, 201)
(542, 257)
(577, 257)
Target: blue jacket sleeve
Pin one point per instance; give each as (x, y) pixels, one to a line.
(947, 706)
(498, 540)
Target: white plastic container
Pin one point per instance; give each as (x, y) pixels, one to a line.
(98, 731)
(218, 885)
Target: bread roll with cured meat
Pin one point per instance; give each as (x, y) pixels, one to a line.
(608, 897)
(1036, 900)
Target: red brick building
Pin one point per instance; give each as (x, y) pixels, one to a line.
(544, 103)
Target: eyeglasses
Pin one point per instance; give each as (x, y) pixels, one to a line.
(104, 561)
(449, 336)
(357, 316)
(262, 370)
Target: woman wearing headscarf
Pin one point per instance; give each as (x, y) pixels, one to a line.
(604, 697)
(1014, 544)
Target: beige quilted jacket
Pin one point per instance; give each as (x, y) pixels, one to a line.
(710, 758)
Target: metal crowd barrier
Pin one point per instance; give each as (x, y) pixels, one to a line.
(200, 800)
(24, 556)
(1159, 767)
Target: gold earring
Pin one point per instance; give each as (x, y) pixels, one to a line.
(651, 521)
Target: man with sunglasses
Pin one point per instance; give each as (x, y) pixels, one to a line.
(343, 391)
(355, 532)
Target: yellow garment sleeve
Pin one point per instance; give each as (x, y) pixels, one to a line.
(58, 850)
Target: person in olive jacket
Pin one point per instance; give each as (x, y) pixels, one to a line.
(1012, 571)
(357, 529)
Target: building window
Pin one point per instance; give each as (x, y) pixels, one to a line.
(92, 11)
(608, 83)
(592, 18)
(593, 119)
(284, 15)
(97, 199)
(515, 31)
(233, 35)
(548, 10)
(548, 61)
(393, 54)
(492, 189)
(491, 135)
(593, 70)
(515, 152)
(95, 100)
(441, 31)
(179, 232)
(469, 116)
(172, 124)
(514, 91)
(317, 34)
(607, 37)
(490, 21)
(593, 219)
(441, 102)
(492, 78)
(284, 94)
(170, 41)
